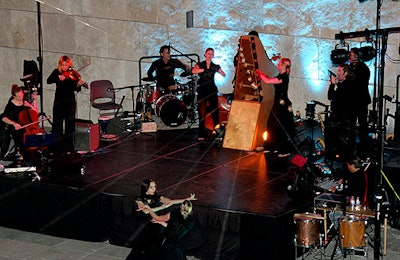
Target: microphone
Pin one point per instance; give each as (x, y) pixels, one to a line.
(331, 74)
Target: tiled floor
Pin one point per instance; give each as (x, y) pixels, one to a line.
(16, 244)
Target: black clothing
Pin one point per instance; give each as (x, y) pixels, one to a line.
(12, 112)
(64, 108)
(207, 96)
(173, 234)
(356, 184)
(153, 201)
(5, 140)
(342, 97)
(146, 240)
(281, 127)
(362, 75)
(166, 244)
(165, 72)
(343, 120)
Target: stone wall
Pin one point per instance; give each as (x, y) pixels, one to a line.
(114, 35)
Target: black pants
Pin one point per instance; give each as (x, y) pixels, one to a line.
(64, 112)
(281, 129)
(5, 140)
(207, 102)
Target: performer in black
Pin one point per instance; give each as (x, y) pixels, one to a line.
(10, 119)
(360, 85)
(164, 68)
(281, 127)
(177, 224)
(342, 95)
(207, 91)
(148, 202)
(64, 106)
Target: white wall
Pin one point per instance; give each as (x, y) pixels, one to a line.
(114, 35)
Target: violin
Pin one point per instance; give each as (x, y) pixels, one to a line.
(74, 76)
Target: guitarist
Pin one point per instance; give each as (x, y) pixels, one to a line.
(64, 106)
(10, 123)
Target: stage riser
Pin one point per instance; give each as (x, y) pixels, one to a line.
(85, 215)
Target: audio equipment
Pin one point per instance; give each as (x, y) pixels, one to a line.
(87, 135)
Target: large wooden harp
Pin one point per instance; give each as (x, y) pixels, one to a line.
(253, 98)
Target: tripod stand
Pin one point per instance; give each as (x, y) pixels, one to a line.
(192, 107)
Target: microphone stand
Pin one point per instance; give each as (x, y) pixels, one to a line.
(130, 87)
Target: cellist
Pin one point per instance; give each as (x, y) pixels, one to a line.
(16, 104)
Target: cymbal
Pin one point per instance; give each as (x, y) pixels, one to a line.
(148, 79)
(186, 73)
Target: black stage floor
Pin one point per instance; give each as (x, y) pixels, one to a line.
(243, 208)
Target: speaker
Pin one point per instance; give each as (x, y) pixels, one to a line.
(246, 124)
(339, 141)
(87, 135)
(189, 19)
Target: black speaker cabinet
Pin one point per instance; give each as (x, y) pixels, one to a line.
(339, 140)
(87, 135)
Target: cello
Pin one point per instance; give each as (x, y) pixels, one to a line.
(29, 120)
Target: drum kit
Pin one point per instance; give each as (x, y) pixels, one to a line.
(351, 233)
(173, 106)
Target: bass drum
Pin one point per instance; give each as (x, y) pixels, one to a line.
(171, 110)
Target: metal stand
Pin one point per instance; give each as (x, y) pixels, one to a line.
(42, 114)
(381, 36)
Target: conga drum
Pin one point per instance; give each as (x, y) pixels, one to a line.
(352, 232)
(307, 229)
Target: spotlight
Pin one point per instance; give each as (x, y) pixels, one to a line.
(340, 55)
(265, 136)
(367, 53)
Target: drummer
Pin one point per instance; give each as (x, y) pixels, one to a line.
(164, 69)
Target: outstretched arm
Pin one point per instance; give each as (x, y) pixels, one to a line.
(142, 207)
(267, 80)
(157, 218)
(168, 201)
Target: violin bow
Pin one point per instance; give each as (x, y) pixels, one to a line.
(38, 121)
(84, 66)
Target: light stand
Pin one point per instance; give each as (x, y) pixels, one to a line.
(381, 43)
(40, 61)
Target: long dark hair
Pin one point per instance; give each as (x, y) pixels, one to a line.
(145, 186)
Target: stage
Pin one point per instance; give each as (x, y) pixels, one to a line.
(243, 210)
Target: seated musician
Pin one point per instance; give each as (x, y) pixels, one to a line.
(354, 182)
(11, 115)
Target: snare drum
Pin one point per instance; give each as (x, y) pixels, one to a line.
(171, 110)
(352, 231)
(307, 230)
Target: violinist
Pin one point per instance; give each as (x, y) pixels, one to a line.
(11, 117)
(67, 81)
